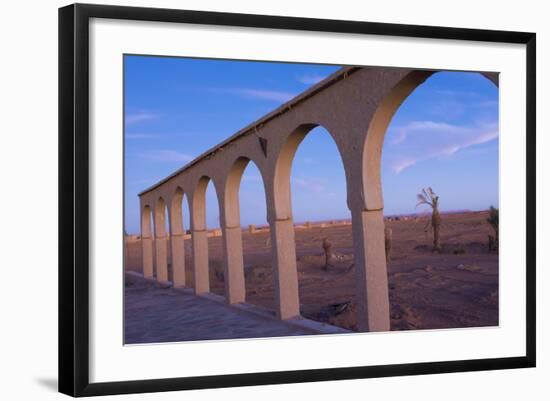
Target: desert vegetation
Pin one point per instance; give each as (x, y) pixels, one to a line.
(493, 221)
(428, 197)
(454, 287)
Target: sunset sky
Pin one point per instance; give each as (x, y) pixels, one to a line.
(445, 135)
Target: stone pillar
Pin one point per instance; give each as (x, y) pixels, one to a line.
(234, 266)
(161, 256)
(373, 305)
(177, 245)
(283, 251)
(147, 256)
(178, 259)
(200, 261)
(161, 250)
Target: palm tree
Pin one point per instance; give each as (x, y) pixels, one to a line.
(428, 197)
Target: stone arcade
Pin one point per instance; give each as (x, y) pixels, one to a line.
(355, 105)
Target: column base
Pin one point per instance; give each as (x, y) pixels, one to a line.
(285, 271)
(234, 266)
(178, 260)
(200, 262)
(373, 305)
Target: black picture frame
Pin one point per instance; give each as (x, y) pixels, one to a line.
(74, 198)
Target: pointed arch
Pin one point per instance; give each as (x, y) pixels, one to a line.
(374, 140)
(281, 179)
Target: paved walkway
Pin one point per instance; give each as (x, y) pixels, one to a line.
(154, 315)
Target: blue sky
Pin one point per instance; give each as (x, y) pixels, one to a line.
(445, 135)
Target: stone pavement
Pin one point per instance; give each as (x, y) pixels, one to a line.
(154, 315)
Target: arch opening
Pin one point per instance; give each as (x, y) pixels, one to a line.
(311, 189)
(437, 130)
(282, 193)
(176, 213)
(246, 208)
(160, 221)
(206, 217)
(372, 151)
(180, 271)
(146, 223)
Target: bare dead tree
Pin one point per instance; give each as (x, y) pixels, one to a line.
(428, 197)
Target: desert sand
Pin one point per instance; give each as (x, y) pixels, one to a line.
(457, 287)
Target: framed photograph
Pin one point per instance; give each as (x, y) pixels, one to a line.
(295, 199)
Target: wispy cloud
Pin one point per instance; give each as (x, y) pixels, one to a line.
(400, 165)
(416, 128)
(166, 156)
(423, 140)
(255, 93)
(277, 96)
(140, 117)
(478, 139)
(310, 79)
(399, 136)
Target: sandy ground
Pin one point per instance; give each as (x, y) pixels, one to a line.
(455, 288)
